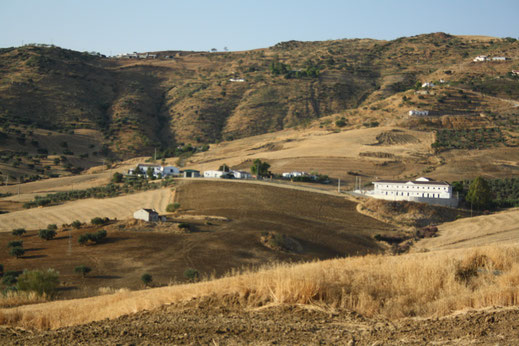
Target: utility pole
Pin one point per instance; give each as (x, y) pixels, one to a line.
(155, 157)
(339, 185)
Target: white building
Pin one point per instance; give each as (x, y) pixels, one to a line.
(214, 174)
(427, 85)
(147, 215)
(163, 171)
(415, 112)
(289, 175)
(499, 58)
(480, 58)
(422, 190)
(241, 175)
(239, 80)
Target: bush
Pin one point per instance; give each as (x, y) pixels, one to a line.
(41, 282)
(52, 226)
(17, 251)
(76, 224)
(183, 225)
(99, 221)
(15, 243)
(191, 274)
(19, 232)
(117, 177)
(83, 238)
(47, 234)
(146, 279)
(172, 207)
(10, 278)
(83, 270)
(93, 237)
(1, 269)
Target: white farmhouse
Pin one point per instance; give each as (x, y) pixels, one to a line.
(424, 190)
(427, 85)
(148, 215)
(241, 175)
(499, 58)
(163, 171)
(415, 112)
(214, 174)
(480, 58)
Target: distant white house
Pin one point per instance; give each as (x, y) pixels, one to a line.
(241, 175)
(480, 58)
(499, 58)
(214, 174)
(427, 85)
(424, 190)
(418, 113)
(158, 170)
(289, 175)
(148, 215)
(239, 80)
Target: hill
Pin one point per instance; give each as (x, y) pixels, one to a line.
(131, 106)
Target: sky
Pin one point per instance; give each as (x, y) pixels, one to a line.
(115, 26)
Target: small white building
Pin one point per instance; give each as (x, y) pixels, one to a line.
(241, 175)
(239, 80)
(424, 190)
(158, 170)
(289, 175)
(214, 174)
(427, 85)
(480, 58)
(418, 113)
(148, 215)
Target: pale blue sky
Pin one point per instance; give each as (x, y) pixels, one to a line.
(116, 26)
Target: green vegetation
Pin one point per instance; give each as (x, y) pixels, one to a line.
(47, 234)
(15, 243)
(17, 251)
(171, 207)
(504, 193)
(83, 270)
(146, 279)
(117, 178)
(10, 278)
(260, 168)
(99, 221)
(76, 224)
(192, 274)
(41, 282)
(19, 232)
(468, 139)
(96, 238)
(479, 194)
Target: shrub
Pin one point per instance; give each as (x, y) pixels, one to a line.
(172, 207)
(42, 282)
(52, 226)
(83, 270)
(99, 236)
(340, 122)
(183, 225)
(19, 232)
(1, 269)
(76, 224)
(17, 251)
(99, 221)
(84, 238)
(15, 243)
(117, 177)
(47, 234)
(10, 278)
(191, 274)
(146, 279)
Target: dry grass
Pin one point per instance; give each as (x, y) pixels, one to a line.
(18, 298)
(427, 284)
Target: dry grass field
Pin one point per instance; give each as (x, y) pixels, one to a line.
(84, 210)
(412, 285)
(497, 229)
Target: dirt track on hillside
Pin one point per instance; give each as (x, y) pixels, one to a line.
(202, 323)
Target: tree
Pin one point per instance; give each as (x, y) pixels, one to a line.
(83, 270)
(17, 251)
(479, 194)
(146, 279)
(52, 226)
(47, 234)
(10, 278)
(150, 172)
(191, 274)
(260, 168)
(117, 177)
(19, 232)
(224, 168)
(39, 281)
(76, 224)
(15, 243)
(171, 207)
(83, 238)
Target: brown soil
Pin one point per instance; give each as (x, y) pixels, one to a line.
(203, 323)
(226, 219)
(395, 137)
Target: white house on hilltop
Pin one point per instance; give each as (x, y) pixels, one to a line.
(164, 171)
(480, 58)
(148, 215)
(424, 190)
(415, 112)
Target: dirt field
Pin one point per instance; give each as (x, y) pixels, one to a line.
(202, 323)
(500, 228)
(325, 226)
(86, 209)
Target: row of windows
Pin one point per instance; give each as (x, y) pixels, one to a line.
(416, 187)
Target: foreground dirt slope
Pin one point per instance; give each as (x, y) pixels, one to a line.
(500, 228)
(204, 324)
(84, 210)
